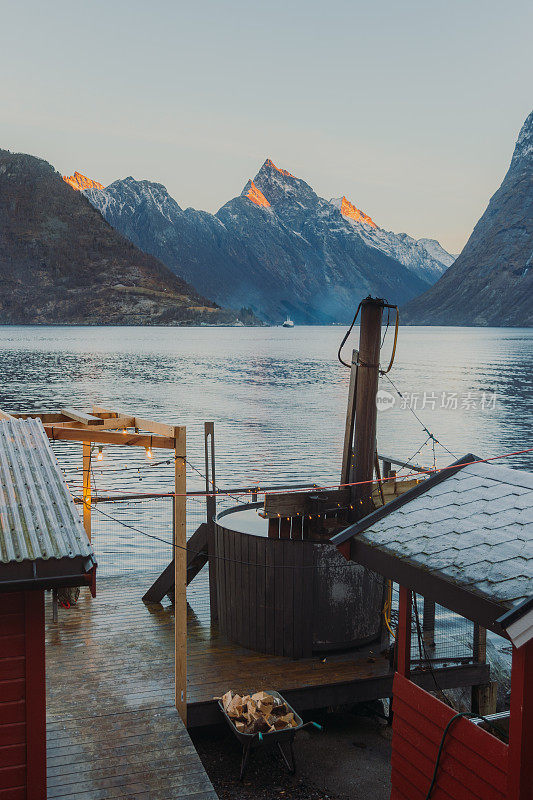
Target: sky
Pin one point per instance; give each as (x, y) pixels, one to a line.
(409, 109)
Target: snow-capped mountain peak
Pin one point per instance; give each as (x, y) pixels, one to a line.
(279, 247)
(436, 250)
(281, 186)
(269, 165)
(350, 211)
(425, 258)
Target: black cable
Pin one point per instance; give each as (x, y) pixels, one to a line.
(415, 415)
(348, 332)
(386, 329)
(441, 748)
(404, 465)
(422, 646)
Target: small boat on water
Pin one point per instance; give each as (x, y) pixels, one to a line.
(288, 323)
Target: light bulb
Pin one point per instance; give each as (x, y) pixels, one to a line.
(100, 456)
(149, 452)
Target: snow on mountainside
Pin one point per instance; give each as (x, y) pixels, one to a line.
(438, 252)
(278, 248)
(424, 257)
(491, 282)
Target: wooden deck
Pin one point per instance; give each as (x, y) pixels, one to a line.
(113, 731)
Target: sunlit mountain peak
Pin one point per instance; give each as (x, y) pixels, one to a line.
(350, 211)
(80, 182)
(269, 164)
(254, 194)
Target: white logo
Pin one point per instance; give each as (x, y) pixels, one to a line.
(384, 400)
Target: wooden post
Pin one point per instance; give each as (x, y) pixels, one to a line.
(347, 455)
(484, 696)
(520, 764)
(428, 623)
(87, 488)
(180, 572)
(211, 510)
(365, 406)
(403, 635)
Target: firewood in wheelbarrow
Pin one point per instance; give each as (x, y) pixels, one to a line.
(235, 706)
(289, 720)
(226, 699)
(263, 697)
(280, 724)
(257, 726)
(279, 711)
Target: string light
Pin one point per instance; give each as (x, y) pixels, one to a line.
(149, 453)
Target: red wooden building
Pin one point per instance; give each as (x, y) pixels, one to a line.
(462, 539)
(43, 545)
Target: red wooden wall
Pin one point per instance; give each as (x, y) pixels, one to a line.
(22, 697)
(473, 765)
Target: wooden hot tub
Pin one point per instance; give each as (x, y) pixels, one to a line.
(290, 597)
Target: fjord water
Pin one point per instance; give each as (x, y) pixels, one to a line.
(278, 396)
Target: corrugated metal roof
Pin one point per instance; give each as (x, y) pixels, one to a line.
(38, 518)
(475, 528)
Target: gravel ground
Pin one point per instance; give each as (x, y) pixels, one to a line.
(350, 759)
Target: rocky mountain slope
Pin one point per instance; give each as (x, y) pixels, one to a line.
(61, 262)
(491, 283)
(278, 248)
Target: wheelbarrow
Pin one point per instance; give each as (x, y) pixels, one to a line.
(278, 740)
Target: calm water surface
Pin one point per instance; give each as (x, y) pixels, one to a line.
(278, 396)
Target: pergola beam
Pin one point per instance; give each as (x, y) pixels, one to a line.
(80, 416)
(99, 436)
(159, 428)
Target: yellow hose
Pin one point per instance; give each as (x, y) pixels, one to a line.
(387, 609)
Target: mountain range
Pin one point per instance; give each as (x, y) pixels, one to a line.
(61, 262)
(491, 283)
(278, 248)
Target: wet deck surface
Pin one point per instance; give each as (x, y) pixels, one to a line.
(113, 731)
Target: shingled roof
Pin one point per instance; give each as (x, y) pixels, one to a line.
(463, 536)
